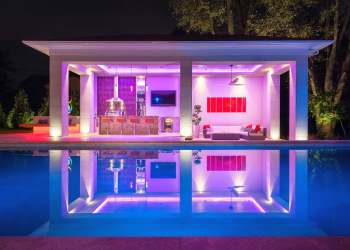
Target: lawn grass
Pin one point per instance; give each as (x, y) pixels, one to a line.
(15, 130)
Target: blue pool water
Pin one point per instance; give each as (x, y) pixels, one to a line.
(204, 191)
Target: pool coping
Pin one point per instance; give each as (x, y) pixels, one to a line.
(270, 243)
(326, 143)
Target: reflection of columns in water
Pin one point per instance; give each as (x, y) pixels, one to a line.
(58, 184)
(298, 161)
(272, 168)
(88, 172)
(185, 183)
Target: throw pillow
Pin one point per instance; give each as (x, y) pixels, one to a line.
(257, 128)
(250, 126)
(206, 126)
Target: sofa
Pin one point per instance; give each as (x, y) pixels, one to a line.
(230, 129)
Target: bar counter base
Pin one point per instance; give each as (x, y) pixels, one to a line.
(141, 127)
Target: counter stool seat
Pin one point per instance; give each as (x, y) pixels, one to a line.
(108, 121)
(149, 121)
(134, 121)
(121, 121)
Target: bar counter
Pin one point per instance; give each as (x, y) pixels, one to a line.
(128, 126)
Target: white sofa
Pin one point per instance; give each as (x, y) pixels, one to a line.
(228, 129)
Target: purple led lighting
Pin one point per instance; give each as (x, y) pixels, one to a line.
(175, 69)
(163, 199)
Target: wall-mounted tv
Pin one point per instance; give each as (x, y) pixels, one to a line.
(164, 98)
(160, 170)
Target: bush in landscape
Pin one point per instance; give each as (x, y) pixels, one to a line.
(21, 112)
(2, 117)
(45, 106)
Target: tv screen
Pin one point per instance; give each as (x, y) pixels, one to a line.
(163, 98)
(163, 170)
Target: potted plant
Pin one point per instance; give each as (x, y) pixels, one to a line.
(196, 120)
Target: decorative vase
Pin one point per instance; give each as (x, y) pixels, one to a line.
(196, 131)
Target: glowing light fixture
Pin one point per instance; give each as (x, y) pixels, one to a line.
(234, 81)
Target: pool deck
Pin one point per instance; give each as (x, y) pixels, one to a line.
(28, 139)
(86, 243)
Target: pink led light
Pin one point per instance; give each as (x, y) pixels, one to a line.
(162, 199)
(175, 69)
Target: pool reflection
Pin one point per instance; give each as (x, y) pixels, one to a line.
(183, 184)
(156, 181)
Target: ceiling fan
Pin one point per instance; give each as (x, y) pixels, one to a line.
(234, 81)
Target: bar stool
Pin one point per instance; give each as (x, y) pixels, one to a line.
(134, 121)
(121, 121)
(149, 121)
(107, 120)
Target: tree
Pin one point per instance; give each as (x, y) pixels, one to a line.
(45, 106)
(311, 19)
(214, 16)
(2, 117)
(21, 112)
(75, 102)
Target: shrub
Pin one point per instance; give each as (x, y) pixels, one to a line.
(21, 112)
(2, 117)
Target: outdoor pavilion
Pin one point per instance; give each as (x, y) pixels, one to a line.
(199, 69)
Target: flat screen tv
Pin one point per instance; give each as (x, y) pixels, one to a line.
(163, 170)
(164, 98)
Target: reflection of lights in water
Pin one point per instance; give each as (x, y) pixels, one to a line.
(111, 163)
(130, 184)
(157, 166)
(146, 184)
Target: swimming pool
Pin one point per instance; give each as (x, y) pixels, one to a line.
(178, 191)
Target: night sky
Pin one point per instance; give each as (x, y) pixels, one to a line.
(49, 19)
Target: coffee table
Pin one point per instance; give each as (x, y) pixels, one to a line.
(225, 136)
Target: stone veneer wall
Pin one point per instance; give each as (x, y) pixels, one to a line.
(105, 91)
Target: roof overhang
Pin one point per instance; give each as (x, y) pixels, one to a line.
(179, 48)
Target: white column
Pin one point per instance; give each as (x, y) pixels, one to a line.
(298, 103)
(272, 159)
(88, 174)
(87, 103)
(59, 87)
(298, 183)
(186, 183)
(273, 106)
(186, 98)
(58, 185)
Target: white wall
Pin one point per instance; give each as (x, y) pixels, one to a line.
(251, 179)
(218, 87)
(163, 83)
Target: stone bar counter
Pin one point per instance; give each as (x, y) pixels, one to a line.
(128, 126)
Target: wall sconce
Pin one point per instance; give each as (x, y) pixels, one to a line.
(146, 87)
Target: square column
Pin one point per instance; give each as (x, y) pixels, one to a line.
(87, 103)
(88, 173)
(298, 100)
(186, 98)
(298, 183)
(272, 161)
(58, 185)
(59, 87)
(186, 183)
(273, 106)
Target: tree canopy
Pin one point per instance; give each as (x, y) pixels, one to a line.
(306, 19)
